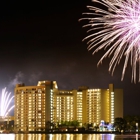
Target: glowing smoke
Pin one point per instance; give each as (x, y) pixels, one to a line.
(16, 80)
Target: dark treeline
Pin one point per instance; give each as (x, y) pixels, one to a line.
(127, 124)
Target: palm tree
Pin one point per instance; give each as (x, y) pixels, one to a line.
(120, 124)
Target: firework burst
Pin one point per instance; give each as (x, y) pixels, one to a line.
(5, 103)
(114, 25)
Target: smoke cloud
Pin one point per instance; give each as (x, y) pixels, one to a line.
(17, 80)
(34, 78)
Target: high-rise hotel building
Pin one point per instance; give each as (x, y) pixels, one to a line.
(35, 106)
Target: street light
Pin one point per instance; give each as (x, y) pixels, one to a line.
(136, 127)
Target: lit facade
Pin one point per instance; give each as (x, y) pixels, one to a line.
(35, 106)
(63, 106)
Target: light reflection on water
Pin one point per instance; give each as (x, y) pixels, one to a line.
(68, 137)
(64, 137)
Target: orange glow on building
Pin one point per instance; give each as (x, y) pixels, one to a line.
(35, 106)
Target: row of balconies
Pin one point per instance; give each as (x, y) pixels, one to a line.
(63, 101)
(30, 115)
(30, 105)
(33, 125)
(31, 110)
(25, 94)
(30, 96)
(64, 113)
(92, 119)
(92, 111)
(30, 123)
(30, 102)
(93, 103)
(29, 118)
(22, 115)
(65, 110)
(94, 114)
(93, 99)
(37, 107)
(22, 120)
(63, 97)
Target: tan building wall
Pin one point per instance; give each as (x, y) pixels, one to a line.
(102, 104)
(63, 106)
(118, 103)
(33, 106)
(105, 105)
(36, 107)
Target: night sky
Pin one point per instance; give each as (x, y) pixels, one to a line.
(43, 41)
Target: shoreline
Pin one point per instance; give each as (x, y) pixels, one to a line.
(79, 132)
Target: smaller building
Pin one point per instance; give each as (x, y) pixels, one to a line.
(34, 106)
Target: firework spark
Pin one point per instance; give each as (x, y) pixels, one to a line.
(115, 26)
(5, 103)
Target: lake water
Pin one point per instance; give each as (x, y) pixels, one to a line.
(68, 137)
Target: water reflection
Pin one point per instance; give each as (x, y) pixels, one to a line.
(81, 137)
(67, 137)
(30, 137)
(58, 137)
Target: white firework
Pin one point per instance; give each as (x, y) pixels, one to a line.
(115, 27)
(5, 101)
